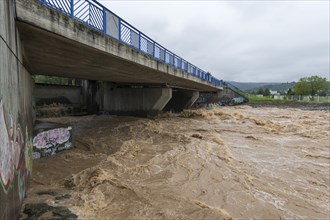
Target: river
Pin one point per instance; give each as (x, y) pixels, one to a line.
(222, 163)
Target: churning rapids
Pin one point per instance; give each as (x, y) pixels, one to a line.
(223, 163)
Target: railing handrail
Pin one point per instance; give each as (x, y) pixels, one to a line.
(235, 89)
(127, 33)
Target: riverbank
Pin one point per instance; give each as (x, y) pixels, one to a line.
(290, 104)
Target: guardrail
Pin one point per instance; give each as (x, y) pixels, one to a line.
(235, 89)
(98, 17)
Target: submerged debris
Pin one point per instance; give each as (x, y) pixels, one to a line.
(37, 211)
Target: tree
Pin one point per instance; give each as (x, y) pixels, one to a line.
(260, 91)
(310, 85)
(290, 92)
(50, 79)
(266, 92)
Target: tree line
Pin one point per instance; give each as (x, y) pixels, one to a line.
(306, 86)
(311, 86)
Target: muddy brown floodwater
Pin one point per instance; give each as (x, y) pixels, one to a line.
(224, 163)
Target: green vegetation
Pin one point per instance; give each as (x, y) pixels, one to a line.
(252, 87)
(281, 88)
(313, 85)
(264, 92)
(51, 80)
(290, 92)
(307, 89)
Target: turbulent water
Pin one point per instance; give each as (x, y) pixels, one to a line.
(223, 163)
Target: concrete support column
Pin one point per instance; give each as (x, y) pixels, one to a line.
(135, 101)
(92, 106)
(84, 90)
(181, 99)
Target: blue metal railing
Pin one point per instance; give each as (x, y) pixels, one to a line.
(96, 16)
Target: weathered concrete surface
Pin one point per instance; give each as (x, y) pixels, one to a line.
(227, 94)
(72, 94)
(91, 93)
(206, 98)
(134, 101)
(15, 116)
(58, 45)
(181, 99)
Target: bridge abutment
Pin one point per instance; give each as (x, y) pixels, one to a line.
(16, 116)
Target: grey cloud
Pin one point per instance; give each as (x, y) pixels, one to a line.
(240, 40)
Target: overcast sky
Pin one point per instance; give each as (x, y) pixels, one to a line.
(244, 41)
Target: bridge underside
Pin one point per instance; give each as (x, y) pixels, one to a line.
(47, 53)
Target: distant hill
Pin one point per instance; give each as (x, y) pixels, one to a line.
(248, 85)
(252, 86)
(281, 87)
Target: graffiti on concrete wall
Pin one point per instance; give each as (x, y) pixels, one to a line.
(206, 98)
(28, 152)
(14, 155)
(11, 142)
(51, 141)
(5, 152)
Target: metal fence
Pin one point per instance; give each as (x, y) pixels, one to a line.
(96, 16)
(308, 98)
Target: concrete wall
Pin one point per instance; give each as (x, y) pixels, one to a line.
(225, 97)
(137, 101)
(227, 94)
(206, 98)
(72, 94)
(15, 116)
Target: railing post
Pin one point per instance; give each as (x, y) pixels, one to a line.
(119, 27)
(139, 41)
(104, 21)
(72, 9)
(153, 51)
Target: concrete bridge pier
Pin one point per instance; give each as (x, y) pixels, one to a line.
(136, 100)
(132, 100)
(90, 93)
(181, 99)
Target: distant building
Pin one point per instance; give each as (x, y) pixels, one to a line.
(273, 93)
(281, 97)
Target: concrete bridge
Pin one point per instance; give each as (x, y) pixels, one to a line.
(82, 39)
(125, 72)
